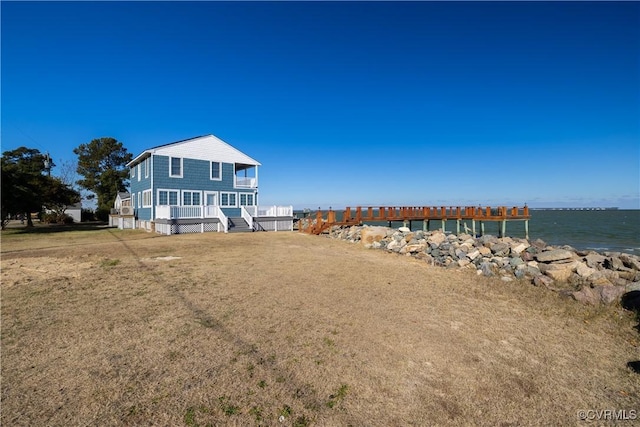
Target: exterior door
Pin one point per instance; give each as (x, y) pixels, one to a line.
(211, 198)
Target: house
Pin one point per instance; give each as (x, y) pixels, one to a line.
(75, 211)
(122, 199)
(197, 185)
(121, 214)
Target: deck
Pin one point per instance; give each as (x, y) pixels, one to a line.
(324, 220)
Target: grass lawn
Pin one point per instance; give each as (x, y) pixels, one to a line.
(119, 327)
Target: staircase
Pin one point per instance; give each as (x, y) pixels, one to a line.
(238, 225)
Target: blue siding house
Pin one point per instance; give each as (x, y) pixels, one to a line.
(197, 185)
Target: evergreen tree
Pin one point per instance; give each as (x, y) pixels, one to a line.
(26, 188)
(102, 164)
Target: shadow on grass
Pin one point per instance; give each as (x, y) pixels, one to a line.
(56, 228)
(631, 301)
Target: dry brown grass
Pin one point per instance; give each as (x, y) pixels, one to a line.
(245, 328)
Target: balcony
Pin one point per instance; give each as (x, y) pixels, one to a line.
(246, 182)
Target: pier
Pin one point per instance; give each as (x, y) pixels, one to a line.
(323, 221)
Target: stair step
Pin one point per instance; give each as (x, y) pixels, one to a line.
(238, 225)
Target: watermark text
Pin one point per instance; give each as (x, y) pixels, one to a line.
(607, 414)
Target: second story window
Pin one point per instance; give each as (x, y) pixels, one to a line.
(216, 170)
(175, 167)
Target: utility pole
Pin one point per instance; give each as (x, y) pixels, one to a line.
(48, 163)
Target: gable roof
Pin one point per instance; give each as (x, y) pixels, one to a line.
(206, 147)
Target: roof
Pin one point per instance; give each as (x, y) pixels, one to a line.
(206, 147)
(124, 195)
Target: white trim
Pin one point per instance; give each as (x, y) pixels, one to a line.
(181, 167)
(139, 173)
(150, 201)
(211, 171)
(146, 167)
(139, 198)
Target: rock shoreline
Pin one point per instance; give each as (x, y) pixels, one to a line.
(586, 276)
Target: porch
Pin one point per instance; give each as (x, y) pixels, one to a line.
(193, 219)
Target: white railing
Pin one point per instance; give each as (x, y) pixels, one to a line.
(275, 211)
(252, 210)
(178, 212)
(245, 182)
(216, 212)
(186, 212)
(246, 216)
(163, 212)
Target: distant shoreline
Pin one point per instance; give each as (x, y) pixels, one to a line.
(579, 209)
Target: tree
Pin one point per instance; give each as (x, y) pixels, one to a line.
(25, 187)
(102, 163)
(58, 196)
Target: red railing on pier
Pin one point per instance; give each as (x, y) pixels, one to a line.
(324, 220)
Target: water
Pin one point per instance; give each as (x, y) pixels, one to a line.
(603, 230)
(611, 230)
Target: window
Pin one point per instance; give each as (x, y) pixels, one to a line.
(175, 167)
(139, 199)
(133, 172)
(146, 167)
(139, 174)
(228, 199)
(216, 171)
(133, 199)
(146, 198)
(191, 198)
(246, 199)
(168, 197)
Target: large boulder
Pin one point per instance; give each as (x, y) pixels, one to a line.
(609, 294)
(500, 249)
(587, 295)
(414, 247)
(630, 261)
(396, 245)
(436, 238)
(518, 248)
(368, 235)
(594, 260)
(560, 274)
(584, 270)
(554, 255)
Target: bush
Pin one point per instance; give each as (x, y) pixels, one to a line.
(102, 214)
(88, 215)
(54, 218)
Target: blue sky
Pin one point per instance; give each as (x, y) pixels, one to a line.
(345, 103)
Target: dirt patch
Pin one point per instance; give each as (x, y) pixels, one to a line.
(251, 329)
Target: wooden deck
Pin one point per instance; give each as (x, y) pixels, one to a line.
(325, 220)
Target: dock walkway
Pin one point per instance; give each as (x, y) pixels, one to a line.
(325, 220)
